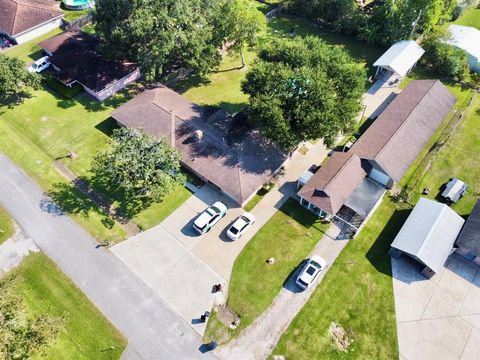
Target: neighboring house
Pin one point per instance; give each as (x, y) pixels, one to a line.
(468, 39)
(468, 241)
(428, 235)
(398, 60)
(24, 20)
(225, 151)
(75, 60)
(350, 184)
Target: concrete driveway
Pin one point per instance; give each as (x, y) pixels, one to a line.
(438, 318)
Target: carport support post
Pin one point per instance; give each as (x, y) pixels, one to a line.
(346, 222)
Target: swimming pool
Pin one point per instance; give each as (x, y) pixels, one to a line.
(78, 4)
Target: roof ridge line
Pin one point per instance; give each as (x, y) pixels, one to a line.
(339, 170)
(406, 118)
(190, 125)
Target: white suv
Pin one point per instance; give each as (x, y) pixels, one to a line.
(310, 271)
(209, 217)
(39, 65)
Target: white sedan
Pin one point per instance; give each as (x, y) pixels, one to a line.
(39, 65)
(209, 217)
(236, 230)
(310, 271)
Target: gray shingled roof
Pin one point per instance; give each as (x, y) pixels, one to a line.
(232, 156)
(469, 237)
(18, 16)
(429, 233)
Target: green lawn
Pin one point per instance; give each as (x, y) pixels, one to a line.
(471, 17)
(288, 236)
(84, 333)
(6, 225)
(357, 294)
(47, 127)
(223, 87)
(30, 50)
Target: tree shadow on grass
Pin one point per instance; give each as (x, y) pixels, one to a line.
(15, 99)
(378, 252)
(107, 126)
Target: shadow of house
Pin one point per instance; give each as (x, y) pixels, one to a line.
(222, 150)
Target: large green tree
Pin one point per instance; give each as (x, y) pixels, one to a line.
(445, 59)
(161, 34)
(15, 80)
(145, 168)
(303, 89)
(242, 23)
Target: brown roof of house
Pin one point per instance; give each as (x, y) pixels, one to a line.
(393, 142)
(74, 54)
(18, 16)
(334, 182)
(403, 129)
(469, 237)
(224, 151)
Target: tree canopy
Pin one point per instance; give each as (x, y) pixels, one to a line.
(304, 89)
(447, 60)
(242, 23)
(14, 77)
(143, 167)
(161, 34)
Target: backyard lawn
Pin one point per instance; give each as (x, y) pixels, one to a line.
(223, 87)
(471, 17)
(30, 50)
(84, 333)
(288, 236)
(6, 225)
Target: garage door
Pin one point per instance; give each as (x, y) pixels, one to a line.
(379, 177)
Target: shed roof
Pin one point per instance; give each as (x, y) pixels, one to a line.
(18, 16)
(403, 129)
(225, 151)
(469, 237)
(466, 38)
(401, 56)
(429, 233)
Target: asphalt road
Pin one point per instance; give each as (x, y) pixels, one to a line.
(153, 330)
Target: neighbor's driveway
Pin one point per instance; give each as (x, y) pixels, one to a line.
(152, 329)
(438, 318)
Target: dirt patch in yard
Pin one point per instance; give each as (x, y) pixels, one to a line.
(341, 338)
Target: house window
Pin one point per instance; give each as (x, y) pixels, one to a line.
(315, 209)
(304, 202)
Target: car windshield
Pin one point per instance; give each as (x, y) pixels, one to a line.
(302, 282)
(244, 218)
(34, 66)
(215, 209)
(234, 230)
(317, 265)
(310, 270)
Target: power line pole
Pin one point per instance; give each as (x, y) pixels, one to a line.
(414, 24)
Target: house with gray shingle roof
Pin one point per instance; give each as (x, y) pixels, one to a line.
(352, 182)
(468, 242)
(222, 150)
(24, 20)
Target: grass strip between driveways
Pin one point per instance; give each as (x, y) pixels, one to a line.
(84, 333)
(289, 236)
(6, 225)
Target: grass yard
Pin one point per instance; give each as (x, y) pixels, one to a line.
(6, 225)
(30, 50)
(457, 159)
(223, 87)
(84, 332)
(471, 17)
(288, 236)
(357, 294)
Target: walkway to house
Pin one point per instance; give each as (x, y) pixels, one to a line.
(13, 250)
(258, 340)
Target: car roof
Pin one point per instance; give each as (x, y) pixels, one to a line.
(203, 219)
